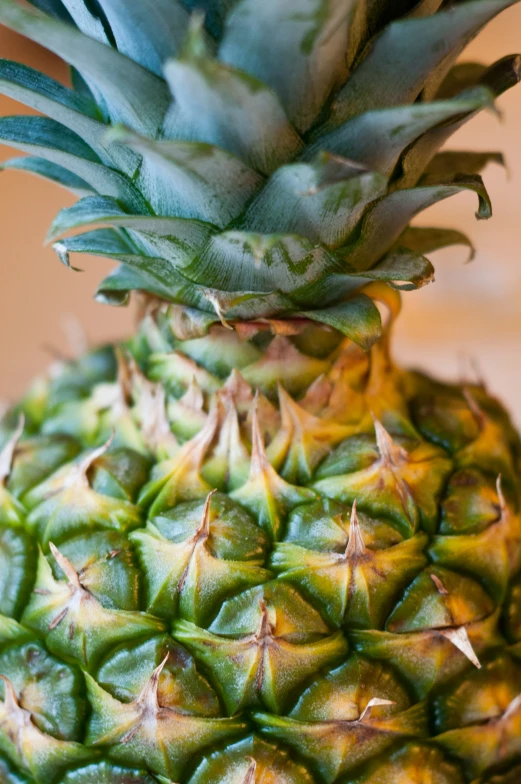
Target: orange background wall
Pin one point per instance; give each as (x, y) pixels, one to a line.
(472, 310)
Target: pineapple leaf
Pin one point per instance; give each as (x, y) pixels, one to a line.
(305, 59)
(499, 77)
(191, 179)
(461, 76)
(403, 269)
(358, 318)
(102, 209)
(160, 277)
(469, 161)
(149, 31)
(69, 108)
(388, 217)
(176, 239)
(51, 140)
(134, 96)
(86, 21)
(52, 8)
(43, 132)
(321, 201)
(377, 138)
(242, 115)
(410, 54)
(49, 171)
(247, 261)
(116, 288)
(426, 239)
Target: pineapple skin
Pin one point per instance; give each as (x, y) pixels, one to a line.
(288, 561)
(261, 556)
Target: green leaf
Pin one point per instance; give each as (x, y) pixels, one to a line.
(149, 31)
(385, 221)
(102, 242)
(191, 179)
(470, 162)
(49, 171)
(403, 269)
(498, 78)
(322, 200)
(45, 133)
(176, 239)
(86, 21)
(115, 289)
(305, 59)
(241, 114)
(461, 76)
(52, 8)
(377, 138)
(69, 108)
(409, 54)
(358, 319)
(55, 143)
(422, 239)
(241, 261)
(134, 96)
(159, 277)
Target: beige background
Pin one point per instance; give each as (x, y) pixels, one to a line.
(471, 311)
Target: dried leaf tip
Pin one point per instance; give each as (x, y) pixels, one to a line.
(266, 628)
(193, 397)
(503, 508)
(355, 545)
(10, 698)
(470, 370)
(391, 454)
(250, 773)
(476, 410)
(439, 585)
(259, 460)
(373, 703)
(460, 639)
(8, 452)
(66, 566)
(19, 716)
(214, 302)
(82, 468)
(203, 530)
(148, 698)
(125, 374)
(513, 707)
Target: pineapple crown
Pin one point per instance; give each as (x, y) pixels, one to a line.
(255, 161)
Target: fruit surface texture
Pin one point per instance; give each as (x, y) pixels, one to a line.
(245, 546)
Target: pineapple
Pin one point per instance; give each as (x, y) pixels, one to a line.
(244, 546)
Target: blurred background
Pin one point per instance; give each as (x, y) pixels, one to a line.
(472, 311)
